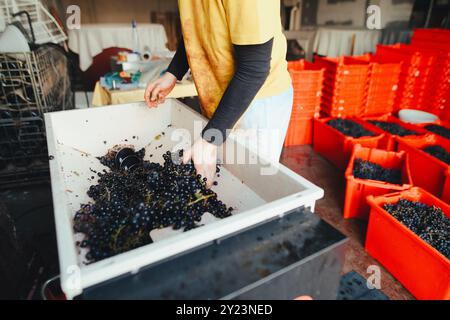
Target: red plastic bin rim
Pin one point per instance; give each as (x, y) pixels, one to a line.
(345, 77)
(324, 121)
(424, 141)
(386, 88)
(343, 97)
(379, 106)
(441, 123)
(407, 50)
(392, 119)
(303, 65)
(341, 62)
(413, 194)
(403, 158)
(341, 109)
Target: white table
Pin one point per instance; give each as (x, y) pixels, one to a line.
(105, 97)
(92, 39)
(338, 41)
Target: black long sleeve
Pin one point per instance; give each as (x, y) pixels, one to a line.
(179, 64)
(252, 69)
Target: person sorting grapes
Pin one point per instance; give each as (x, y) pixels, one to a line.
(236, 51)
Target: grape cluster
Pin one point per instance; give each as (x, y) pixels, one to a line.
(428, 222)
(350, 128)
(438, 152)
(440, 130)
(372, 171)
(128, 204)
(393, 128)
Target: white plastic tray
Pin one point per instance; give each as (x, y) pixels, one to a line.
(75, 138)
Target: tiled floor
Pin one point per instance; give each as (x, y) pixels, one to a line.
(313, 167)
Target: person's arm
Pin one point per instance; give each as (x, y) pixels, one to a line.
(252, 69)
(158, 90)
(251, 23)
(179, 64)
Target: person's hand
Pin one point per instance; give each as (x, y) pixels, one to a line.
(158, 90)
(204, 156)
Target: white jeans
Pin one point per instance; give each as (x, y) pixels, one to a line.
(264, 125)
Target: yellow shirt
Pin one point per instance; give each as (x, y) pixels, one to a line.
(211, 27)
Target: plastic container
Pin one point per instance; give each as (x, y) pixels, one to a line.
(307, 81)
(357, 190)
(446, 189)
(423, 270)
(76, 137)
(300, 131)
(438, 123)
(420, 71)
(438, 88)
(389, 141)
(434, 38)
(427, 172)
(382, 86)
(337, 147)
(416, 116)
(345, 85)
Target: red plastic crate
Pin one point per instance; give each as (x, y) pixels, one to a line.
(439, 123)
(421, 71)
(337, 147)
(305, 73)
(389, 141)
(300, 131)
(437, 86)
(344, 64)
(445, 114)
(432, 38)
(307, 80)
(305, 109)
(423, 270)
(446, 189)
(338, 112)
(382, 90)
(382, 86)
(344, 85)
(427, 172)
(357, 190)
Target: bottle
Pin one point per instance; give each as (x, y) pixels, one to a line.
(136, 43)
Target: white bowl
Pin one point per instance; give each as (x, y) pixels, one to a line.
(416, 116)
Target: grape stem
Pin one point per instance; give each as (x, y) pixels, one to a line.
(200, 199)
(116, 236)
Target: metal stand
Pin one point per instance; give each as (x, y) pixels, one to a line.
(32, 83)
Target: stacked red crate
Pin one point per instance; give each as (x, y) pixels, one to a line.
(437, 41)
(418, 73)
(307, 81)
(382, 86)
(344, 86)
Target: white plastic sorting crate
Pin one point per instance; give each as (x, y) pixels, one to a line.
(75, 138)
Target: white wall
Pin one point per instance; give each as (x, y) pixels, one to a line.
(107, 11)
(342, 11)
(391, 12)
(356, 11)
